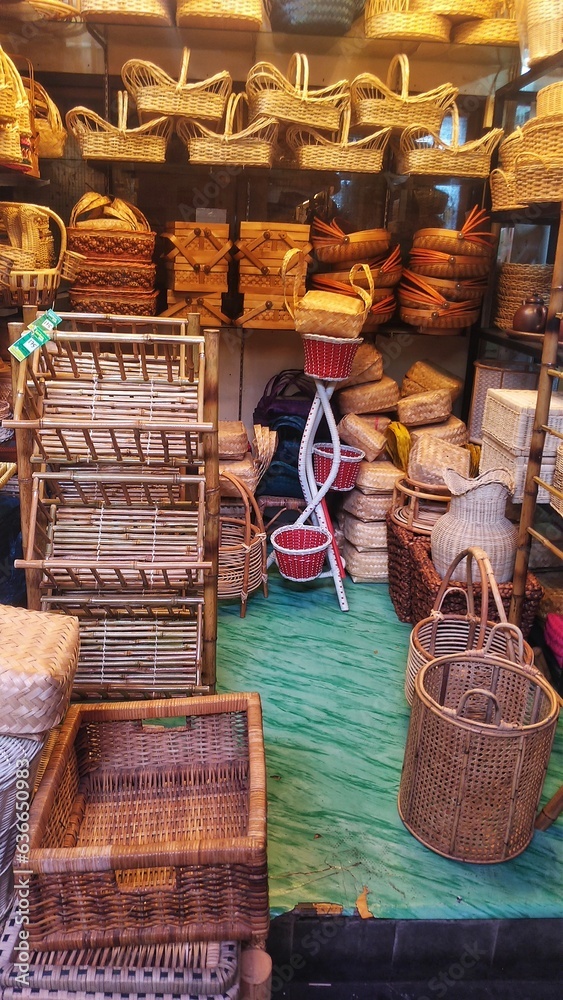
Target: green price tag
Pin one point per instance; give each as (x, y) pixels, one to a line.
(36, 335)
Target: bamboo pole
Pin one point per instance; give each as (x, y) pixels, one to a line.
(548, 360)
(256, 975)
(213, 506)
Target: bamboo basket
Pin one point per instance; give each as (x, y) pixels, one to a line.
(396, 19)
(488, 31)
(377, 104)
(424, 152)
(549, 100)
(251, 146)
(432, 406)
(157, 12)
(314, 151)
(440, 264)
(289, 99)
(538, 180)
(505, 195)
(510, 148)
(469, 241)
(228, 15)
(458, 10)
(100, 140)
(242, 549)
(36, 286)
(333, 245)
(471, 290)
(543, 137)
(332, 314)
(366, 566)
(452, 431)
(491, 375)
(110, 229)
(544, 24)
(444, 633)
(51, 133)
(20, 130)
(364, 535)
(382, 312)
(367, 508)
(132, 879)
(157, 93)
(42, 10)
(429, 376)
(385, 271)
(421, 305)
(429, 457)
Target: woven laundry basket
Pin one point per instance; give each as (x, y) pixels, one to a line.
(477, 750)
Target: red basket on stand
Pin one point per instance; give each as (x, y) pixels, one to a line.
(350, 458)
(300, 552)
(329, 358)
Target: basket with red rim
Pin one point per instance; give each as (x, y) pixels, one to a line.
(300, 551)
(329, 358)
(350, 458)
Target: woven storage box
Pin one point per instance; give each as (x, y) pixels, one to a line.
(199, 873)
(394, 19)
(110, 229)
(367, 366)
(245, 470)
(428, 376)
(538, 180)
(233, 440)
(430, 456)
(361, 433)
(265, 312)
(452, 430)
(377, 477)
(495, 456)
(477, 751)
(367, 508)
(364, 534)
(492, 375)
(427, 582)
(376, 103)
(371, 397)
(37, 666)
(289, 99)
(366, 566)
(431, 407)
(113, 302)
(399, 543)
(228, 15)
(509, 418)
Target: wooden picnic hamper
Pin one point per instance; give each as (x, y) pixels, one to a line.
(289, 99)
(229, 15)
(397, 19)
(314, 151)
(127, 11)
(51, 132)
(157, 93)
(477, 750)
(377, 104)
(424, 152)
(105, 874)
(100, 140)
(333, 246)
(22, 282)
(313, 17)
(450, 632)
(251, 145)
(105, 228)
(242, 548)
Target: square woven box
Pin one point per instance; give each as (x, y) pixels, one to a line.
(145, 831)
(509, 418)
(495, 456)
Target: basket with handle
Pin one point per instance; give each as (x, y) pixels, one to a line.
(289, 99)
(157, 93)
(313, 17)
(396, 19)
(242, 548)
(470, 240)
(479, 742)
(422, 305)
(544, 137)
(381, 312)
(252, 145)
(157, 12)
(328, 313)
(504, 193)
(424, 152)
(100, 140)
(510, 148)
(7, 91)
(20, 131)
(229, 15)
(314, 151)
(333, 245)
(35, 286)
(51, 132)
(376, 104)
(458, 10)
(446, 632)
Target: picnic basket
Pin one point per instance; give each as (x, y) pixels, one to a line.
(314, 151)
(252, 145)
(396, 19)
(424, 152)
(336, 314)
(229, 15)
(377, 104)
(157, 93)
(51, 132)
(289, 99)
(467, 241)
(332, 245)
(100, 140)
(158, 12)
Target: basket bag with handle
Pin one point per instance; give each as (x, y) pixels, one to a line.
(447, 632)
(100, 140)
(233, 15)
(51, 132)
(314, 17)
(157, 93)
(376, 103)
(289, 99)
(329, 313)
(317, 152)
(252, 145)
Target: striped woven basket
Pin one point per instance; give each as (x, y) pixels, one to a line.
(396, 19)
(376, 104)
(538, 180)
(314, 151)
(424, 152)
(252, 145)
(100, 140)
(289, 99)
(157, 93)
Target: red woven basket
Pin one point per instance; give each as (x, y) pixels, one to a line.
(348, 469)
(300, 552)
(329, 358)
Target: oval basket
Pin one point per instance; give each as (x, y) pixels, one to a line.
(489, 31)
(251, 146)
(313, 17)
(469, 241)
(228, 15)
(314, 151)
(377, 104)
(333, 245)
(457, 10)
(393, 19)
(289, 99)
(242, 548)
(157, 93)
(538, 180)
(424, 152)
(100, 140)
(504, 194)
(549, 100)
(157, 12)
(438, 264)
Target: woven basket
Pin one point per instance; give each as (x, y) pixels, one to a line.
(364, 535)
(439, 321)
(110, 229)
(377, 477)
(114, 274)
(381, 312)
(51, 133)
(549, 100)
(127, 11)
(418, 506)
(424, 152)
(350, 458)
(113, 302)
(453, 431)
(370, 397)
(395, 19)
(367, 508)
(399, 544)
(477, 751)
(415, 293)
(538, 180)
(252, 146)
(471, 290)
(470, 240)
(157, 93)
(489, 31)
(443, 633)
(8, 95)
(367, 565)
(457, 10)
(100, 140)
(430, 407)
(242, 549)
(314, 151)
(333, 245)
(544, 24)
(360, 432)
(505, 195)
(18, 139)
(377, 104)
(328, 313)
(233, 440)
(313, 17)
(555, 501)
(228, 15)
(38, 285)
(42, 10)
(544, 137)
(510, 148)
(289, 99)
(367, 366)
(329, 358)
(430, 376)
(385, 271)
(300, 551)
(492, 375)
(440, 264)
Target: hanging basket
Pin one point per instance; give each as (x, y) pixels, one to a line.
(242, 548)
(289, 99)
(424, 152)
(157, 93)
(100, 140)
(396, 19)
(377, 104)
(251, 146)
(300, 552)
(314, 151)
(228, 15)
(350, 458)
(329, 358)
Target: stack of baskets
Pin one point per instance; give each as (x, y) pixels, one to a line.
(237, 459)
(515, 283)
(33, 255)
(197, 270)
(261, 249)
(471, 22)
(531, 158)
(116, 276)
(362, 519)
(18, 135)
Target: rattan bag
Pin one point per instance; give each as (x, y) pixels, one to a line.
(289, 99)
(157, 93)
(377, 104)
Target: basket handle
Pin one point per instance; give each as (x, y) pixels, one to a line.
(233, 114)
(249, 501)
(184, 69)
(512, 633)
(399, 65)
(487, 581)
(290, 256)
(345, 121)
(122, 110)
(366, 296)
(485, 694)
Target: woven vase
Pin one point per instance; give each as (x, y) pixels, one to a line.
(476, 518)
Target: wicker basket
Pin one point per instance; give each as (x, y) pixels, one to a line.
(395, 19)
(488, 31)
(555, 501)
(367, 508)
(364, 535)
(440, 264)
(94, 274)
(495, 456)
(228, 15)
(477, 751)
(430, 407)
(300, 551)
(424, 152)
(429, 376)
(492, 375)
(18, 142)
(313, 17)
(549, 100)
(333, 245)
(289, 99)
(110, 229)
(367, 366)
(443, 633)
(418, 506)
(51, 133)
(199, 873)
(20, 761)
(416, 295)
(8, 95)
(348, 468)
(399, 544)
(509, 417)
(370, 397)
(328, 313)
(544, 24)
(113, 302)
(100, 140)
(35, 286)
(510, 148)
(361, 433)
(314, 151)
(242, 549)
(457, 10)
(367, 565)
(329, 358)
(127, 11)
(538, 180)
(252, 146)
(157, 93)
(377, 104)
(42, 10)
(543, 137)
(504, 193)
(375, 478)
(469, 241)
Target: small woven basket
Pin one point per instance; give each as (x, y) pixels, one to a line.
(549, 100)
(377, 104)
(328, 313)
(538, 180)
(110, 229)
(314, 151)
(424, 152)
(228, 15)
(100, 140)
(329, 358)
(332, 245)
(242, 549)
(157, 93)
(350, 458)
(457, 10)
(469, 241)
(396, 19)
(300, 552)
(157, 12)
(51, 133)
(289, 99)
(252, 146)
(37, 285)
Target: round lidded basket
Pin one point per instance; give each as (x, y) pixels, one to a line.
(329, 358)
(477, 750)
(300, 551)
(350, 458)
